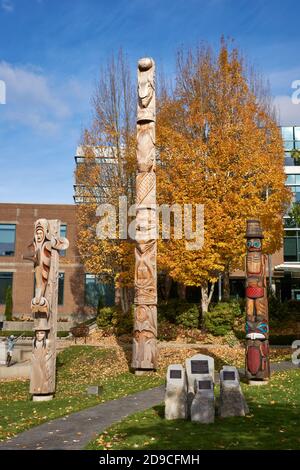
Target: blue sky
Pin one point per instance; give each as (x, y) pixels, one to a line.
(51, 50)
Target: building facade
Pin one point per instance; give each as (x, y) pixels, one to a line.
(78, 292)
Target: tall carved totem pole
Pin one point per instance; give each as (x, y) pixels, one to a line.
(45, 246)
(145, 312)
(257, 321)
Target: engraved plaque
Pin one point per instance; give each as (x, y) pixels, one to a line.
(227, 375)
(199, 367)
(175, 374)
(204, 385)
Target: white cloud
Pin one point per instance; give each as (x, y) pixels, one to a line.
(32, 99)
(7, 6)
(289, 113)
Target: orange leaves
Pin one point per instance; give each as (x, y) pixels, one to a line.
(219, 146)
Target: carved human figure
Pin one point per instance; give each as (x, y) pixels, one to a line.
(257, 325)
(42, 380)
(43, 243)
(146, 90)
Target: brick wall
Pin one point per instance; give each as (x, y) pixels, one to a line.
(24, 216)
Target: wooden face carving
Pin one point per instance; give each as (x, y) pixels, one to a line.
(145, 84)
(254, 244)
(40, 230)
(40, 335)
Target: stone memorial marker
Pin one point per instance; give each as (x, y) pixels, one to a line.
(232, 400)
(196, 367)
(94, 390)
(176, 393)
(203, 404)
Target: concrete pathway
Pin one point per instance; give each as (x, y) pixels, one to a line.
(74, 432)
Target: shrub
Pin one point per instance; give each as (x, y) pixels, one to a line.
(277, 310)
(189, 316)
(105, 317)
(179, 312)
(293, 307)
(8, 304)
(220, 320)
(112, 319)
(167, 331)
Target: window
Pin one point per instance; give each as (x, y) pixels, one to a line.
(291, 141)
(7, 239)
(292, 245)
(287, 133)
(61, 287)
(6, 280)
(63, 233)
(95, 290)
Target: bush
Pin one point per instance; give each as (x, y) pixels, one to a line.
(293, 307)
(167, 331)
(113, 320)
(189, 316)
(277, 310)
(179, 312)
(8, 304)
(220, 320)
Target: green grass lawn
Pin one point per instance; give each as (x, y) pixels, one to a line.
(77, 367)
(273, 423)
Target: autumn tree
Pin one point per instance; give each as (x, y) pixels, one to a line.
(106, 172)
(220, 146)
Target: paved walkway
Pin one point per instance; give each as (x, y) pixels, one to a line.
(74, 432)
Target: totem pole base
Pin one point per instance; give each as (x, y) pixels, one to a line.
(257, 382)
(42, 397)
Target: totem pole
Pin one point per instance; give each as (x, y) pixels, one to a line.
(145, 312)
(45, 246)
(257, 321)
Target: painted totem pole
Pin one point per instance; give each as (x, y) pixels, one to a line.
(257, 321)
(45, 246)
(145, 314)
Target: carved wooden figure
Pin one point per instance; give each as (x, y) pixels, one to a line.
(46, 245)
(257, 321)
(145, 322)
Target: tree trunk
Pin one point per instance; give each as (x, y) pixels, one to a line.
(206, 295)
(226, 285)
(167, 286)
(181, 291)
(124, 299)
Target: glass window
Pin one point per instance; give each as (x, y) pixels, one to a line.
(291, 179)
(287, 133)
(6, 280)
(297, 133)
(61, 285)
(290, 233)
(297, 144)
(7, 239)
(63, 233)
(290, 249)
(95, 290)
(288, 145)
